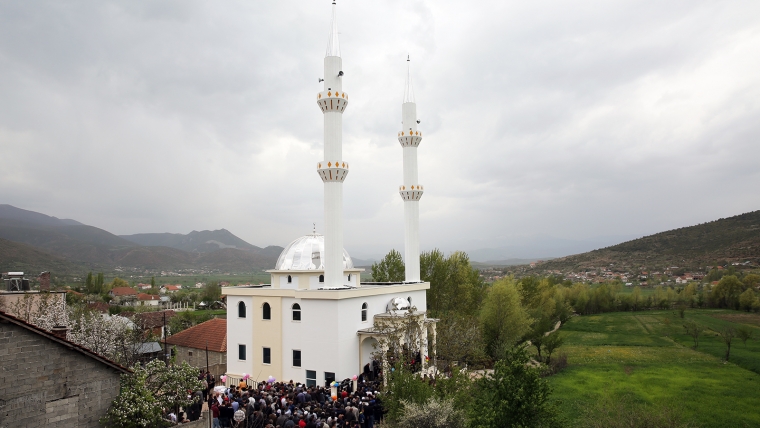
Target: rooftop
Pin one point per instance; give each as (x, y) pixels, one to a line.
(123, 291)
(212, 333)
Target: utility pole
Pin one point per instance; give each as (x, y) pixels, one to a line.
(164, 331)
(207, 355)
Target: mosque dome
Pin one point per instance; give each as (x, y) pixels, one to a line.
(307, 253)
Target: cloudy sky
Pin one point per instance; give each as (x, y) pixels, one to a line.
(550, 126)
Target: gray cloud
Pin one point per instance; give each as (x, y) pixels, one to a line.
(583, 121)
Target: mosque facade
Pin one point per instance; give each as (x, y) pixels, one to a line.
(315, 321)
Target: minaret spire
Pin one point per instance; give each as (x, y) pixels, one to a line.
(333, 169)
(411, 191)
(333, 44)
(408, 88)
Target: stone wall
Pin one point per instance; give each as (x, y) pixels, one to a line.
(44, 383)
(217, 361)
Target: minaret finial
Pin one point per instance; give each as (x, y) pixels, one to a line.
(315, 228)
(333, 45)
(408, 89)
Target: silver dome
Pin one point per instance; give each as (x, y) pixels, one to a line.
(397, 304)
(307, 253)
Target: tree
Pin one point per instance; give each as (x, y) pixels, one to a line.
(460, 338)
(694, 330)
(212, 292)
(455, 286)
(389, 269)
(746, 299)
(537, 334)
(726, 335)
(515, 395)
(118, 282)
(504, 319)
(149, 389)
(726, 293)
(744, 334)
(89, 284)
(152, 282)
(551, 343)
(99, 283)
(751, 280)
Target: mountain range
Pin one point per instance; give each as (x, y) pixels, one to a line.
(33, 241)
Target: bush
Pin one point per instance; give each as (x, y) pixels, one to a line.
(433, 413)
(556, 365)
(513, 396)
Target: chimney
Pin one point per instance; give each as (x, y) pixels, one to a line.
(60, 331)
(44, 279)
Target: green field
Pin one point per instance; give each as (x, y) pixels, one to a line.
(648, 356)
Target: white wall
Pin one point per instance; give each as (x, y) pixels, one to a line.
(284, 281)
(327, 335)
(239, 331)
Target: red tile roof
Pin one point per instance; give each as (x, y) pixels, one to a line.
(143, 296)
(154, 319)
(99, 306)
(212, 333)
(123, 291)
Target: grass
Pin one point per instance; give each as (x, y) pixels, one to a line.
(648, 356)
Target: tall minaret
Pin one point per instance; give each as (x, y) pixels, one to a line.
(333, 169)
(411, 190)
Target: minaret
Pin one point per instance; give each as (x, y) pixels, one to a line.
(333, 169)
(411, 190)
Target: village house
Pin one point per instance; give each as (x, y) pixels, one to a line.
(202, 345)
(51, 381)
(170, 289)
(123, 295)
(148, 299)
(142, 286)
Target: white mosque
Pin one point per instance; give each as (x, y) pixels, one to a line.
(316, 321)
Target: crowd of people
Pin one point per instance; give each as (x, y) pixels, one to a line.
(289, 404)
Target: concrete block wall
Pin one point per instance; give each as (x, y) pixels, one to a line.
(197, 358)
(44, 383)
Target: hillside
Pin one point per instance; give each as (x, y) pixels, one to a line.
(204, 241)
(81, 243)
(19, 257)
(12, 213)
(34, 241)
(728, 239)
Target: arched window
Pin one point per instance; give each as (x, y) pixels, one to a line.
(241, 310)
(321, 278)
(349, 277)
(290, 279)
(364, 311)
(296, 312)
(266, 311)
(410, 300)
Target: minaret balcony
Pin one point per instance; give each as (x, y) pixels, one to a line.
(409, 138)
(332, 101)
(335, 171)
(411, 193)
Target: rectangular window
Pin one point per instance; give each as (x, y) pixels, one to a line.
(297, 360)
(241, 352)
(311, 378)
(329, 378)
(267, 358)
